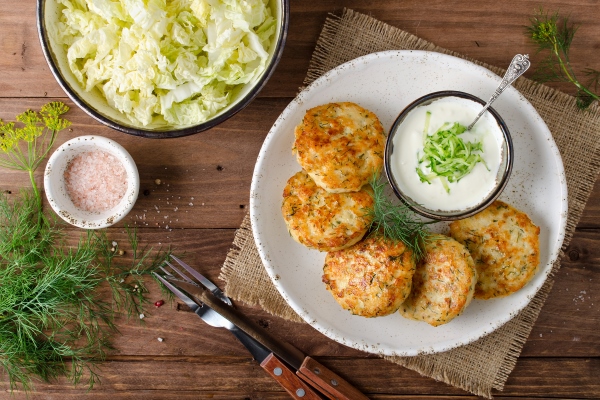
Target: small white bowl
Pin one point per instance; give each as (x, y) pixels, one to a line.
(56, 191)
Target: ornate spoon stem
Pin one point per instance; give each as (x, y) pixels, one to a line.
(519, 64)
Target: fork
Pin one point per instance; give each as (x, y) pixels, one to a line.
(206, 313)
(294, 385)
(276, 357)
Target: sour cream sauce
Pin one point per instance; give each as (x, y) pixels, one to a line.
(408, 144)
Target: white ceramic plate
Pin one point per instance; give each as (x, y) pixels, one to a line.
(385, 83)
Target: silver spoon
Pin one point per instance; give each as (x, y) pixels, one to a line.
(519, 64)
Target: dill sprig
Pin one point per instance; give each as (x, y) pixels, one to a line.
(396, 221)
(555, 34)
(54, 318)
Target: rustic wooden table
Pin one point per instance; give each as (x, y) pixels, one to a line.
(212, 170)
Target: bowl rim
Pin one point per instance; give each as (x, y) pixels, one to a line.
(156, 134)
(117, 213)
(448, 215)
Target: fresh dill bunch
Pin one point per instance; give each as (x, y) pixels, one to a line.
(54, 320)
(555, 34)
(396, 221)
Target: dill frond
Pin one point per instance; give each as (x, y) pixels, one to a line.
(126, 281)
(555, 34)
(396, 221)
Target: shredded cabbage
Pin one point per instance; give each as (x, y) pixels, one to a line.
(449, 157)
(173, 61)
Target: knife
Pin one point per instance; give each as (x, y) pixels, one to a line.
(282, 374)
(283, 358)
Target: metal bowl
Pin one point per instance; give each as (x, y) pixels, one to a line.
(502, 175)
(95, 105)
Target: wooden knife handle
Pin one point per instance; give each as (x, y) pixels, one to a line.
(327, 382)
(288, 380)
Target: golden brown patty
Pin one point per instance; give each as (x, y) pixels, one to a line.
(371, 278)
(505, 246)
(340, 145)
(322, 220)
(443, 284)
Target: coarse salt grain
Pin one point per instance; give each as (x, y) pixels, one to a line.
(95, 180)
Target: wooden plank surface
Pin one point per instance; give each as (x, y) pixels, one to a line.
(165, 377)
(204, 190)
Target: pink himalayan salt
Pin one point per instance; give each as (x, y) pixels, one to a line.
(96, 181)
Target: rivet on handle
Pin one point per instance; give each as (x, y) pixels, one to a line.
(300, 392)
(317, 371)
(334, 382)
(278, 371)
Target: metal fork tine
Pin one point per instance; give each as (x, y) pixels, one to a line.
(208, 284)
(165, 271)
(184, 297)
(185, 278)
(205, 282)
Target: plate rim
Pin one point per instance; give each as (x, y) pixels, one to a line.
(443, 345)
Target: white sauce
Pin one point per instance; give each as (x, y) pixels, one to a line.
(408, 147)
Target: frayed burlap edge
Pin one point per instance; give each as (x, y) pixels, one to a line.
(492, 358)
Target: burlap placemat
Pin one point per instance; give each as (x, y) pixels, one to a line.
(485, 364)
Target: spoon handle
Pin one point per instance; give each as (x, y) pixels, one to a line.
(519, 64)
